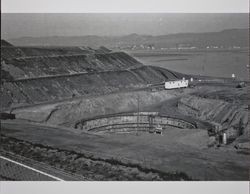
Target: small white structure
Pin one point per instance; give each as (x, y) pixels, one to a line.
(158, 130)
(224, 138)
(176, 84)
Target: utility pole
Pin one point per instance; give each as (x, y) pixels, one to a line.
(138, 114)
(204, 63)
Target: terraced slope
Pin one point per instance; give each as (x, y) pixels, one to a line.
(29, 80)
(35, 91)
(34, 67)
(55, 51)
(9, 51)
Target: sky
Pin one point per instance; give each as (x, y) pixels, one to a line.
(15, 25)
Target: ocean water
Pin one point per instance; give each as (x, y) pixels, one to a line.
(209, 63)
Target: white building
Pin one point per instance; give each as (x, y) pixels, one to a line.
(176, 84)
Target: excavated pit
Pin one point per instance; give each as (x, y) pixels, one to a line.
(150, 122)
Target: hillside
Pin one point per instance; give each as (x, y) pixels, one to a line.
(39, 75)
(225, 38)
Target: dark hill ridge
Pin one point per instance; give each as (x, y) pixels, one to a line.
(5, 43)
(226, 38)
(30, 80)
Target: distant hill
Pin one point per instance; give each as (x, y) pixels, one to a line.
(225, 38)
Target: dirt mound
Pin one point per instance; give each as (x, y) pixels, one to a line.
(231, 116)
(228, 94)
(69, 113)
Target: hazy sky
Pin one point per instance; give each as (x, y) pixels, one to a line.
(36, 25)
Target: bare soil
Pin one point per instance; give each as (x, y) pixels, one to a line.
(177, 151)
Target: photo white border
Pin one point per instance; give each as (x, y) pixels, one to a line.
(125, 6)
(203, 187)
